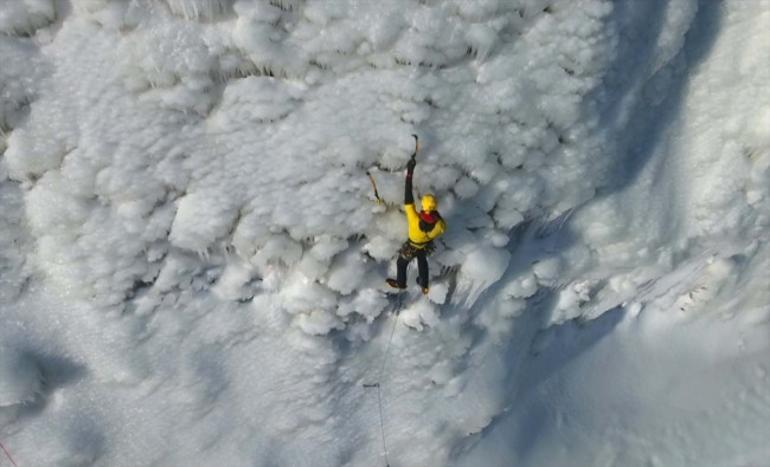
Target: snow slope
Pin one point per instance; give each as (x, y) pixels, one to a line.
(192, 262)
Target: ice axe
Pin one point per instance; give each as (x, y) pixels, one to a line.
(374, 186)
(371, 178)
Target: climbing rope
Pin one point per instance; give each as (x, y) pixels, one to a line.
(378, 386)
(8, 455)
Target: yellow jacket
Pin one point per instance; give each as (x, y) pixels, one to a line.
(420, 236)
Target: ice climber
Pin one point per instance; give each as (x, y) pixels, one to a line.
(424, 227)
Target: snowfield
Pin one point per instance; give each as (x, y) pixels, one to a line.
(192, 260)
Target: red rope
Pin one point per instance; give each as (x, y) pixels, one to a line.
(8, 454)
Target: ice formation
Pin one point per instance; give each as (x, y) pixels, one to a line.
(192, 261)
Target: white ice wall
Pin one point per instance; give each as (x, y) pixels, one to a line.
(194, 260)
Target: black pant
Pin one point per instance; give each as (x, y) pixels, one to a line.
(422, 267)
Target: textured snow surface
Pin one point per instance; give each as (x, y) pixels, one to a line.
(192, 261)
